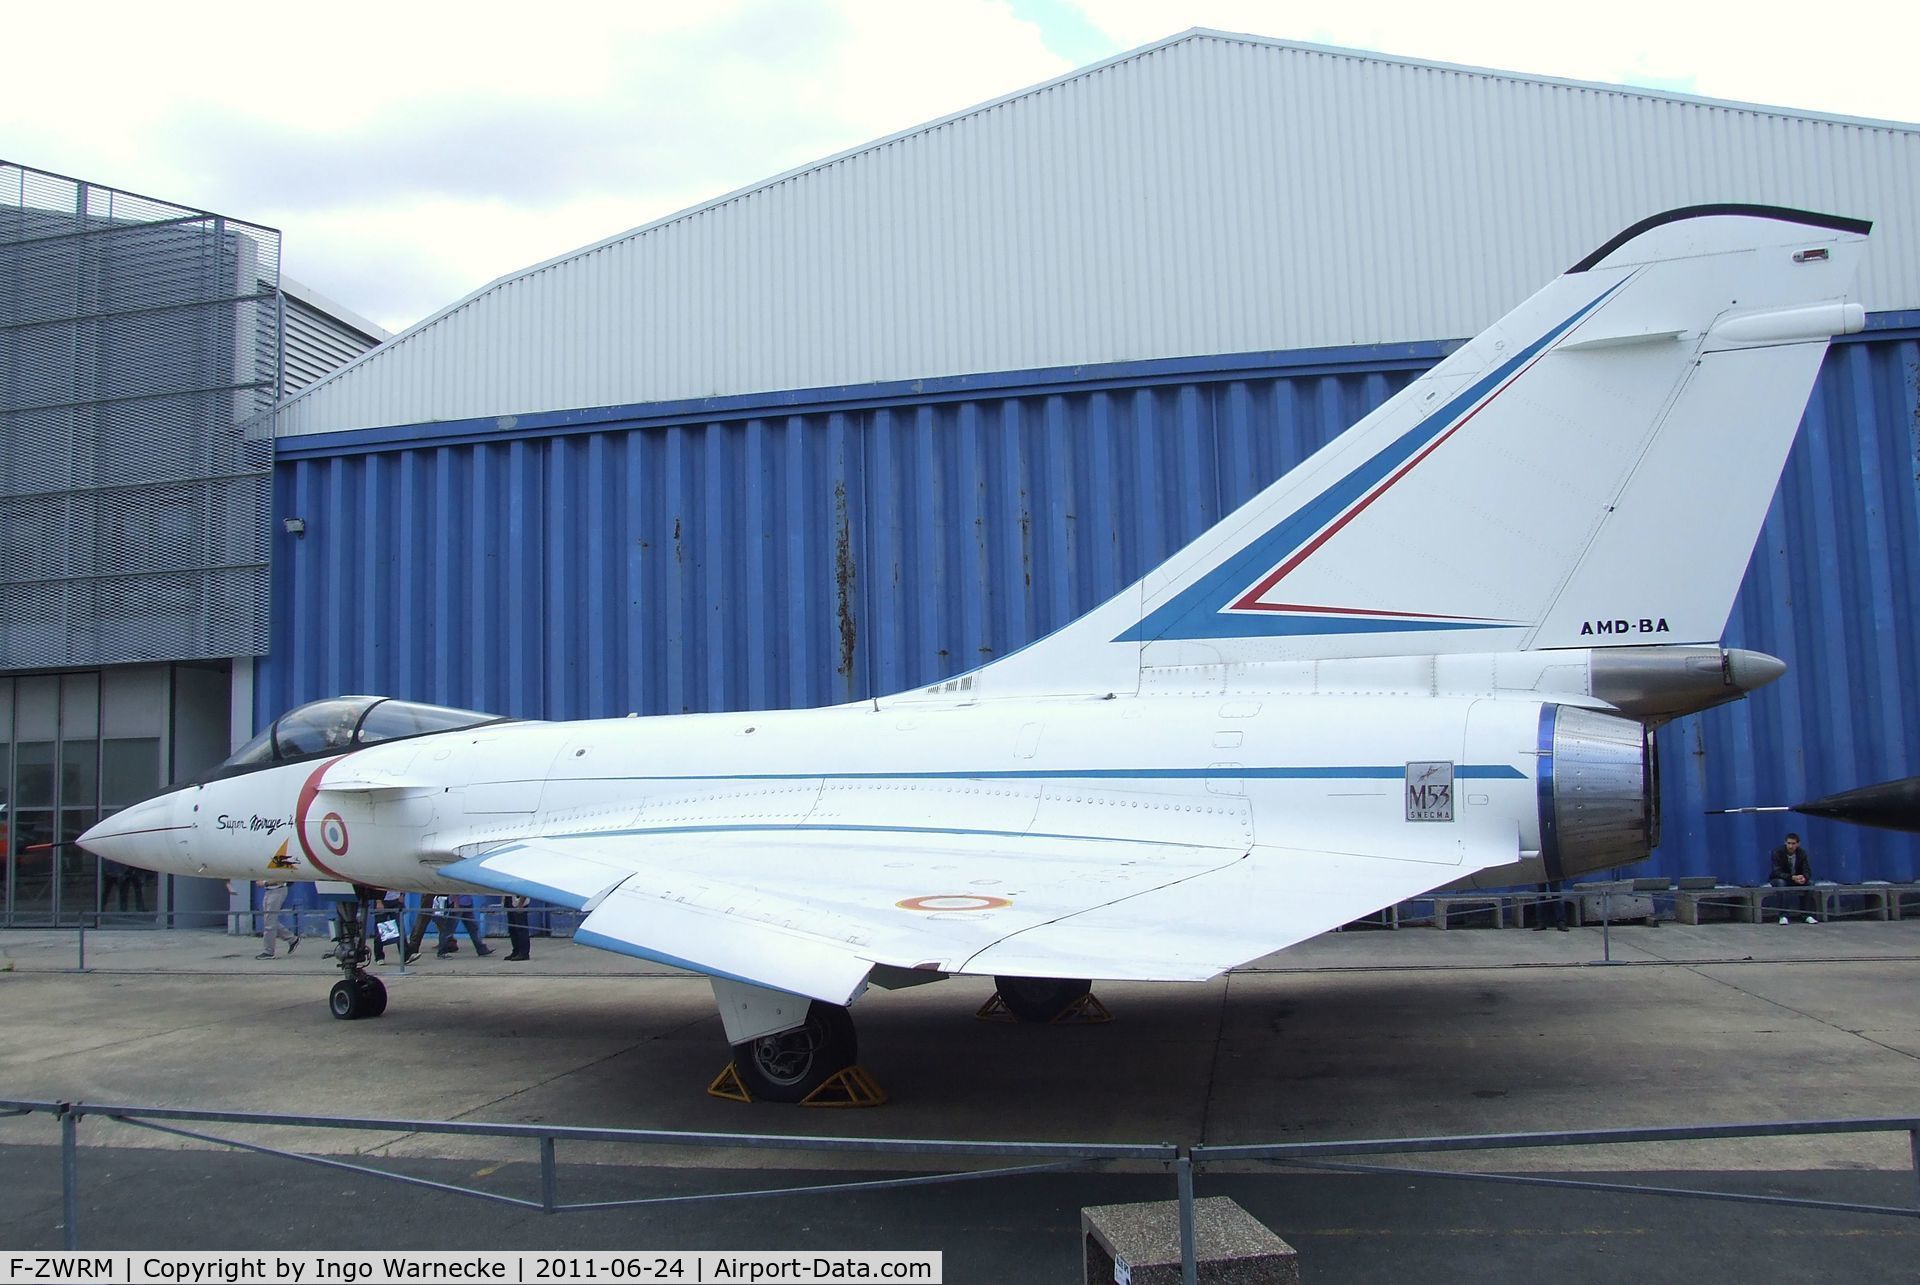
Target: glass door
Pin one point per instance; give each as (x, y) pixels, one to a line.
(74, 747)
(31, 816)
(76, 872)
(134, 704)
(129, 772)
(6, 800)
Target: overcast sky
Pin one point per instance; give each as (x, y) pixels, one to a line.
(413, 152)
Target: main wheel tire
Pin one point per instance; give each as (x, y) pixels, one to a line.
(1040, 999)
(373, 996)
(788, 1066)
(345, 1000)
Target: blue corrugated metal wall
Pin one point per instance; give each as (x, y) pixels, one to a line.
(819, 547)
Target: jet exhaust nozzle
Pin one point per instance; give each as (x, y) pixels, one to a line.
(1598, 791)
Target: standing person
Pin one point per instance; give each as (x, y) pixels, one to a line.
(128, 880)
(273, 895)
(517, 935)
(1793, 870)
(1549, 906)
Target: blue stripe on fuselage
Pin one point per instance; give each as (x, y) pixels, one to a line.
(1392, 771)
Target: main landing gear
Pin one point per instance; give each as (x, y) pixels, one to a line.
(788, 1066)
(359, 993)
(787, 1048)
(1042, 999)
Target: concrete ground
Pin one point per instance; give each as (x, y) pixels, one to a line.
(1357, 1034)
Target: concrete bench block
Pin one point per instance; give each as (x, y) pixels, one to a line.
(1230, 1245)
(1450, 906)
(1875, 900)
(1613, 901)
(1728, 902)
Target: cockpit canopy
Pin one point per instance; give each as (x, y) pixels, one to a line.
(343, 723)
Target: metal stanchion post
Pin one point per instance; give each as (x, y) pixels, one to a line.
(399, 935)
(1189, 1255)
(549, 1178)
(1606, 925)
(69, 1178)
(1913, 1148)
(81, 966)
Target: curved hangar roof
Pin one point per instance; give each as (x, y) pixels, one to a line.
(1209, 194)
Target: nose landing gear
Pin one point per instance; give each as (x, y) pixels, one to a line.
(359, 993)
(353, 997)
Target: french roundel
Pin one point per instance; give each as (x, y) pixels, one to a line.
(953, 901)
(333, 833)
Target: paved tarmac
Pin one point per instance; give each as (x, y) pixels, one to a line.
(1357, 1034)
(1351, 1229)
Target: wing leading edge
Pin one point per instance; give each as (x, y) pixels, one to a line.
(811, 913)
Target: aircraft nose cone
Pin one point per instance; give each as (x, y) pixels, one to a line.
(1752, 670)
(145, 835)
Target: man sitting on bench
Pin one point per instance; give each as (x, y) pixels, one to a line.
(1793, 871)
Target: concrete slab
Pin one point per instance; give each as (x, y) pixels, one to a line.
(1401, 1054)
(1356, 1034)
(1357, 1230)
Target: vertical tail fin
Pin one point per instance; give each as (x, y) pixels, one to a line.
(1590, 471)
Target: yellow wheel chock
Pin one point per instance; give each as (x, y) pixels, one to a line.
(1085, 1011)
(995, 1010)
(848, 1087)
(727, 1085)
(852, 1086)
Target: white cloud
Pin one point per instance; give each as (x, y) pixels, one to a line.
(411, 153)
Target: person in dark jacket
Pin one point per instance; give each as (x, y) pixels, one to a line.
(1793, 870)
(1549, 907)
(517, 931)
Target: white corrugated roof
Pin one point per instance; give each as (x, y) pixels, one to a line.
(1210, 193)
(339, 312)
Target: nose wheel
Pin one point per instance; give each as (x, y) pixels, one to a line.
(358, 994)
(355, 997)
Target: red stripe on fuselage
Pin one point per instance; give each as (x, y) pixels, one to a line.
(308, 792)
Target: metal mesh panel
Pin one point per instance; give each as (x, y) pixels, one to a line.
(140, 349)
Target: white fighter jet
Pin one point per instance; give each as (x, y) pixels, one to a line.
(1427, 656)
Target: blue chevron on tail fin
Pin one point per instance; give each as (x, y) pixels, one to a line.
(1545, 486)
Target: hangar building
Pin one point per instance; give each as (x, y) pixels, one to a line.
(874, 421)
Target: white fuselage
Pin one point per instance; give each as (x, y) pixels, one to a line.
(1314, 771)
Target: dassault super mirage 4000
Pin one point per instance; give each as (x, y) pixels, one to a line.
(1429, 655)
